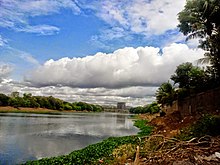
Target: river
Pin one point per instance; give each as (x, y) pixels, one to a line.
(33, 136)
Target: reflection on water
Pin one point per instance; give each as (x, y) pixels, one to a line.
(32, 136)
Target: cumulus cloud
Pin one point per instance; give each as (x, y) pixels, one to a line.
(142, 66)
(15, 14)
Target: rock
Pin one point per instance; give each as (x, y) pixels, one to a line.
(217, 154)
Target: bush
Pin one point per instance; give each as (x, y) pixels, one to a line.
(207, 125)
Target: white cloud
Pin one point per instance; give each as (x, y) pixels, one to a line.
(39, 29)
(140, 16)
(3, 41)
(133, 96)
(142, 66)
(22, 55)
(5, 70)
(15, 14)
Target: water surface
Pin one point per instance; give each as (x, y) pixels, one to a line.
(33, 136)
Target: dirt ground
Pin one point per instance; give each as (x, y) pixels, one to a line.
(200, 151)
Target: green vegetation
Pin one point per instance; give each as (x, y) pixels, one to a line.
(142, 125)
(206, 125)
(189, 76)
(151, 108)
(90, 154)
(165, 94)
(107, 150)
(45, 102)
(199, 19)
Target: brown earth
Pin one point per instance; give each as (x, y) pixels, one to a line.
(199, 151)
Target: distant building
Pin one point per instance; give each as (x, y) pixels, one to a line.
(121, 105)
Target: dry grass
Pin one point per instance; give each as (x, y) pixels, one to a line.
(8, 109)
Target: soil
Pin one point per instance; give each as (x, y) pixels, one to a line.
(199, 151)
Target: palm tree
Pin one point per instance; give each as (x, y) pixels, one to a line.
(200, 19)
(165, 94)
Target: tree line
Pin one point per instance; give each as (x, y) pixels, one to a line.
(27, 100)
(151, 108)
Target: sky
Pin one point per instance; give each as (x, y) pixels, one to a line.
(100, 52)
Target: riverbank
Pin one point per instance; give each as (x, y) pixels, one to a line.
(9, 109)
(168, 143)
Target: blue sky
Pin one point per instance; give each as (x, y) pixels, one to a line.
(102, 51)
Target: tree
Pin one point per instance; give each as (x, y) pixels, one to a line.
(153, 108)
(165, 94)
(189, 76)
(15, 94)
(200, 19)
(3, 99)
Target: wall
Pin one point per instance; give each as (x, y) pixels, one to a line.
(204, 102)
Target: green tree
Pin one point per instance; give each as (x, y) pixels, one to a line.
(3, 99)
(15, 94)
(166, 94)
(189, 76)
(200, 19)
(16, 102)
(153, 108)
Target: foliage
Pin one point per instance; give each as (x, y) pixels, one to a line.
(166, 94)
(200, 19)
(142, 125)
(3, 99)
(151, 108)
(45, 102)
(206, 125)
(189, 76)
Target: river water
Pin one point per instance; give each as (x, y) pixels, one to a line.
(33, 136)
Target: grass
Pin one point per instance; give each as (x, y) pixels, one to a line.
(36, 111)
(28, 111)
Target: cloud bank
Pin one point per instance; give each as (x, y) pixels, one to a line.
(142, 66)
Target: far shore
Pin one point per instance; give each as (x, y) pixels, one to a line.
(9, 109)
